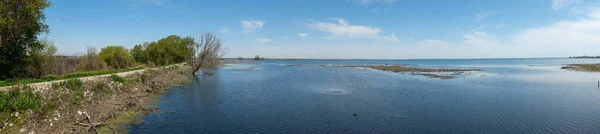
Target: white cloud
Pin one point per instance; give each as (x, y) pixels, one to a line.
(343, 29)
(482, 16)
(558, 4)
(479, 38)
(372, 1)
(302, 35)
(224, 30)
(252, 25)
(263, 40)
(582, 32)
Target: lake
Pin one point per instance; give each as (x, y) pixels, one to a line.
(508, 96)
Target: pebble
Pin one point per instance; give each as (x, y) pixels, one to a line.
(22, 130)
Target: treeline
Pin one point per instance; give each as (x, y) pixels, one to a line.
(23, 55)
(173, 49)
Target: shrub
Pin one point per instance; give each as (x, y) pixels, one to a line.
(91, 61)
(18, 99)
(101, 88)
(49, 77)
(116, 57)
(42, 61)
(76, 91)
(117, 78)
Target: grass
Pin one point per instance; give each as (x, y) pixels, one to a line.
(19, 99)
(10, 82)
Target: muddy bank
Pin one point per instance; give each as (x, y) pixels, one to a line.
(84, 105)
(441, 73)
(583, 67)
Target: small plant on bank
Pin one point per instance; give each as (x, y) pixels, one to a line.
(19, 99)
(117, 78)
(101, 89)
(76, 91)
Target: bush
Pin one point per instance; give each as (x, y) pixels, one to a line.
(42, 61)
(91, 61)
(49, 77)
(76, 91)
(117, 78)
(18, 99)
(101, 88)
(116, 57)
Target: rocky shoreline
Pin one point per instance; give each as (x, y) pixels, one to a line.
(87, 105)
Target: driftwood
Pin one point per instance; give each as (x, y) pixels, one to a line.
(91, 126)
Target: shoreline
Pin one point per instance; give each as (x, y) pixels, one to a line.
(582, 67)
(92, 104)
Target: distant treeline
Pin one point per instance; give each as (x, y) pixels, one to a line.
(583, 57)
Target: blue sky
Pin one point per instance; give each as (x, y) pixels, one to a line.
(373, 29)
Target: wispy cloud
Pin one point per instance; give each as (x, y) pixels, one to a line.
(263, 40)
(252, 25)
(302, 35)
(558, 4)
(343, 29)
(482, 16)
(224, 30)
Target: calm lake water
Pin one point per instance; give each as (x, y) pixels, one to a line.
(509, 96)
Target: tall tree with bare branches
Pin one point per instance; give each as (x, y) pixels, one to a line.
(207, 52)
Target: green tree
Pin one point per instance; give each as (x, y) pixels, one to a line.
(169, 50)
(116, 56)
(42, 61)
(21, 21)
(139, 53)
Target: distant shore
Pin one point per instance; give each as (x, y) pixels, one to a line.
(583, 67)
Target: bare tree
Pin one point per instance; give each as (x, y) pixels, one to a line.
(207, 52)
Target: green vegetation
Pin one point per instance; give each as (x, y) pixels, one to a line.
(168, 50)
(116, 56)
(259, 58)
(26, 59)
(91, 61)
(101, 89)
(21, 21)
(42, 61)
(117, 78)
(76, 91)
(19, 99)
(10, 82)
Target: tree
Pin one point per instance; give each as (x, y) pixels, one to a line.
(91, 61)
(206, 53)
(42, 61)
(139, 53)
(169, 50)
(21, 21)
(116, 56)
